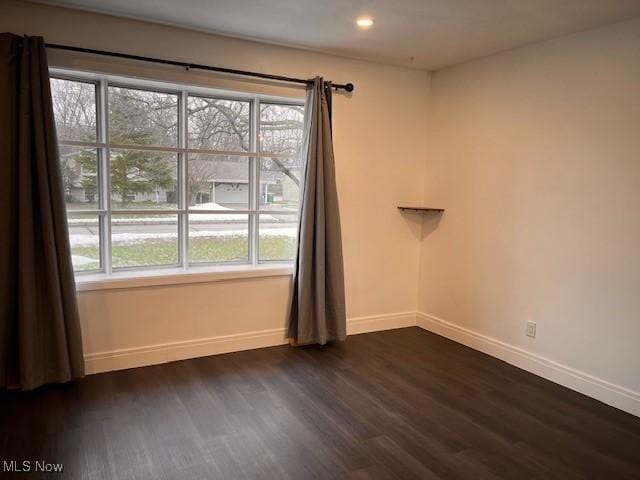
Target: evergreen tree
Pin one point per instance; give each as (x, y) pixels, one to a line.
(131, 171)
(139, 172)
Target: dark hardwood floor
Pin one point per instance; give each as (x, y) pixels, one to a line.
(398, 404)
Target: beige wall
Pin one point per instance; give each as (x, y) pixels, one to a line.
(380, 152)
(535, 154)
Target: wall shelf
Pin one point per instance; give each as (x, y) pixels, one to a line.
(422, 209)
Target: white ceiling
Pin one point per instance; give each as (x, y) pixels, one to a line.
(426, 34)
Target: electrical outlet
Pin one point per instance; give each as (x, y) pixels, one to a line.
(531, 329)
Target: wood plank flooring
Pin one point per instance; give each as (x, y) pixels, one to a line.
(399, 404)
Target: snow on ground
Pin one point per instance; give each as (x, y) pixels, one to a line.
(80, 260)
(209, 206)
(133, 238)
(157, 216)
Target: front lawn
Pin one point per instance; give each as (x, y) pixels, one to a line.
(217, 249)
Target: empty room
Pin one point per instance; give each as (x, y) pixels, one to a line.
(291, 239)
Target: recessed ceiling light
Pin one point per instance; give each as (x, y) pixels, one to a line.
(364, 22)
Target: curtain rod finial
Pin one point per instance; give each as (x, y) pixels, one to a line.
(349, 87)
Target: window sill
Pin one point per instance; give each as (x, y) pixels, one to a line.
(177, 276)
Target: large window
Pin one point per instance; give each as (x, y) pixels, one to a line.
(158, 176)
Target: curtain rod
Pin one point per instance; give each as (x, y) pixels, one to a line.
(348, 87)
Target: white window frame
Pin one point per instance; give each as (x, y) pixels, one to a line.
(161, 274)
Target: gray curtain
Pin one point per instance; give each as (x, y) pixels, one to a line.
(317, 313)
(40, 338)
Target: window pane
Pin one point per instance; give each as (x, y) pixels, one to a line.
(79, 168)
(140, 117)
(281, 128)
(84, 237)
(280, 183)
(218, 182)
(216, 124)
(74, 107)
(143, 179)
(144, 240)
(278, 237)
(218, 238)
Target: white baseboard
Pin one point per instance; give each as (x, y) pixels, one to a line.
(609, 393)
(376, 323)
(169, 352)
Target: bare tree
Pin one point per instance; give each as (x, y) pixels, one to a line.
(74, 106)
(281, 134)
(201, 174)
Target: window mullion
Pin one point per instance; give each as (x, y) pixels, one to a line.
(254, 190)
(105, 181)
(183, 165)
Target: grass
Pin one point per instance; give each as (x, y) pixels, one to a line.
(232, 248)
